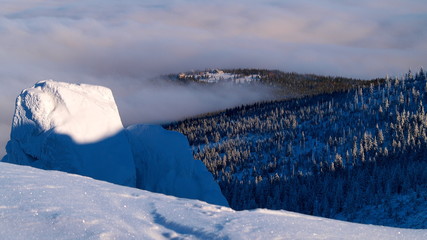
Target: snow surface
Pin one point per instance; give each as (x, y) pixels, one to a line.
(406, 210)
(71, 127)
(165, 164)
(221, 76)
(218, 77)
(40, 204)
(76, 128)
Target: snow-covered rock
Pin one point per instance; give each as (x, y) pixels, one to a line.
(164, 164)
(76, 128)
(37, 204)
(71, 127)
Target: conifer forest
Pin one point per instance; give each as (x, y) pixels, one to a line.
(330, 154)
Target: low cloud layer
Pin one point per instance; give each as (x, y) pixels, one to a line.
(121, 44)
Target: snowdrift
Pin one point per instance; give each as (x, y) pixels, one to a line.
(39, 204)
(165, 164)
(72, 128)
(76, 128)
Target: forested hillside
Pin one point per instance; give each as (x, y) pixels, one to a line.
(329, 155)
(285, 84)
(304, 84)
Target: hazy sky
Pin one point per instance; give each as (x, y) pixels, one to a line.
(120, 44)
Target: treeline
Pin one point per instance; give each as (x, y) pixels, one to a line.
(291, 84)
(305, 84)
(324, 155)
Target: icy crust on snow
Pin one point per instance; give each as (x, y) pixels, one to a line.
(76, 128)
(71, 127)
(164, 164)
(38, 204)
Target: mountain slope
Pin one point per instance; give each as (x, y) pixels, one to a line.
(284, 85)
(328, 155)
(40, 204)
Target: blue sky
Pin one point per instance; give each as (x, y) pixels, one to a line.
(120, 44)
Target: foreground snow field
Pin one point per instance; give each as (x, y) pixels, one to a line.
(40, 204)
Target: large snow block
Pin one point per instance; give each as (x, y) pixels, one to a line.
(71, 127)
(76, 128)
(165, 164)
